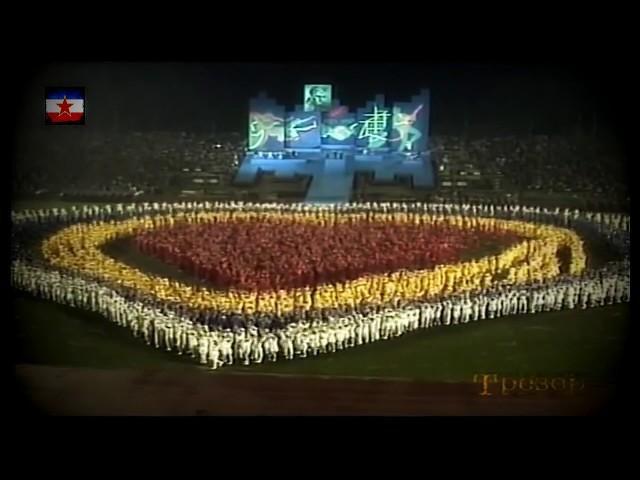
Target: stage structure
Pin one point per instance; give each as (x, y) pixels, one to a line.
(326, 140)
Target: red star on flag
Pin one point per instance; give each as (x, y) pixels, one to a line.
(64, 107)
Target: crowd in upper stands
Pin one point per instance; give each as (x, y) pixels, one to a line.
(543, 163)
(132, 163)
(121, 163)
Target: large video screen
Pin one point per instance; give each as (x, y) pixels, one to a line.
(374, 125)
(410, 124)
(303, 129)
(266, 125)
(339, 127)
(317, 98)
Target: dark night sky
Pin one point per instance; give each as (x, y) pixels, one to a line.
(194, 96)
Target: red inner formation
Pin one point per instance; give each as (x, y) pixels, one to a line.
(253, 255)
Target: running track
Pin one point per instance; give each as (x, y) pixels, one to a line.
(80, 391)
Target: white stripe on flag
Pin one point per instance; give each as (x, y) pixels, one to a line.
(76, 107)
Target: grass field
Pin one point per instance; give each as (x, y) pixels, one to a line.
(583, 343)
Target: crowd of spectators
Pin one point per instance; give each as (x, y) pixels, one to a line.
(155, 162)
(120, 164)
(548, 164)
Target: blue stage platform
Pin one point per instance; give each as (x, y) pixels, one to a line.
(326, 141)
(332, 179)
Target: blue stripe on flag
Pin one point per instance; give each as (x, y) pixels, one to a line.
(60, 93)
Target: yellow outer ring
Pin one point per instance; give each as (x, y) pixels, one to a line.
(77, 248)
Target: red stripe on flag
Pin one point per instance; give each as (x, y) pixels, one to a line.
(65, 118)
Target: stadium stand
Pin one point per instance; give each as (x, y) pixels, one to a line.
(532, 169)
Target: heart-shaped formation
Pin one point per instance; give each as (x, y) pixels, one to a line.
(313, 279)
(78, 248)
(275, 255)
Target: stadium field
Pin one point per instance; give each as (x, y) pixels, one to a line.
(586, 344)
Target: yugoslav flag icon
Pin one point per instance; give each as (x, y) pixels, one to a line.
(65, 105)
